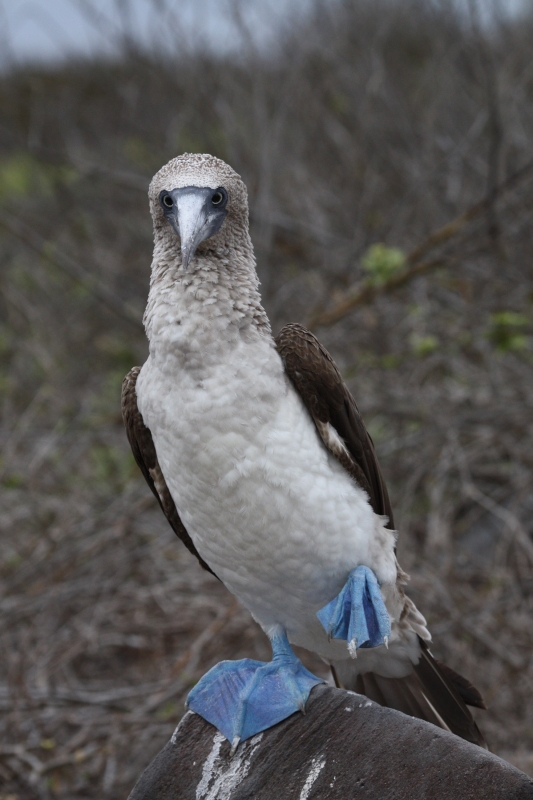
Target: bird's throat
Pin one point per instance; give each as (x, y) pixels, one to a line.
(205, 310)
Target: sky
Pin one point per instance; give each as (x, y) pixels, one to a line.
(51, 30)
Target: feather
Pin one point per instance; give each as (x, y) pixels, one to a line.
(424, 694)
(142, 446)
(432, 691)
(330, 403)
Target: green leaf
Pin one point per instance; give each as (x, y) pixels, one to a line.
(382, 262)
(13, 481)
(506, 331)
(423, 345)
(48, 744)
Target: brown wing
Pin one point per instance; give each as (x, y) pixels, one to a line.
(143, 449)
(327, 398)
(433, 691)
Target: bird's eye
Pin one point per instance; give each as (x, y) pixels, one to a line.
(218, 197)
(168, 201)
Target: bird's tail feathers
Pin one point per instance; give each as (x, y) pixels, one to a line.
(432, 692)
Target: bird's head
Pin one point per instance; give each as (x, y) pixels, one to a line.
(200, 200)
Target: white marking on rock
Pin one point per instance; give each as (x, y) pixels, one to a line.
(208, 771)
(348, 708)
(221, 778)
(317, 765)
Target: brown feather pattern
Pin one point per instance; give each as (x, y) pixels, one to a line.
(143, 448)
(327, 398)
(468, 692)
(433, 691)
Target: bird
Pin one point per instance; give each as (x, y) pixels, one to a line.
(255, 450)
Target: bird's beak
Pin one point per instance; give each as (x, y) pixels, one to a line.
(193, 223)
(194, 218)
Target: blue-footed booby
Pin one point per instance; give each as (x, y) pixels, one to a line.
(256, 451)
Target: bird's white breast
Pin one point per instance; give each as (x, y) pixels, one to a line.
(268, 508)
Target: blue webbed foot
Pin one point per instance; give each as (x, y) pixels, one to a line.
(358, 613)
(242, 698)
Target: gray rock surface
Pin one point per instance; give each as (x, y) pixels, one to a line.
(344, 747)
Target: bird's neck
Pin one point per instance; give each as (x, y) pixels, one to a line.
(215, 304)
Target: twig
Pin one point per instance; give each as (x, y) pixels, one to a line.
(366, 291)
(513, 530)
(190, 659)
(491, 644)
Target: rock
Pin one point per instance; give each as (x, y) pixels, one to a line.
(344, 747)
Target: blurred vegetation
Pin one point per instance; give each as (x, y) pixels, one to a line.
(507, 330)
(382, 263)
(368, 126)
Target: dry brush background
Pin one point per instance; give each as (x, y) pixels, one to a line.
(369, 123)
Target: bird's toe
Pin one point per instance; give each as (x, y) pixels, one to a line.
(358, 613)
(242, 698)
